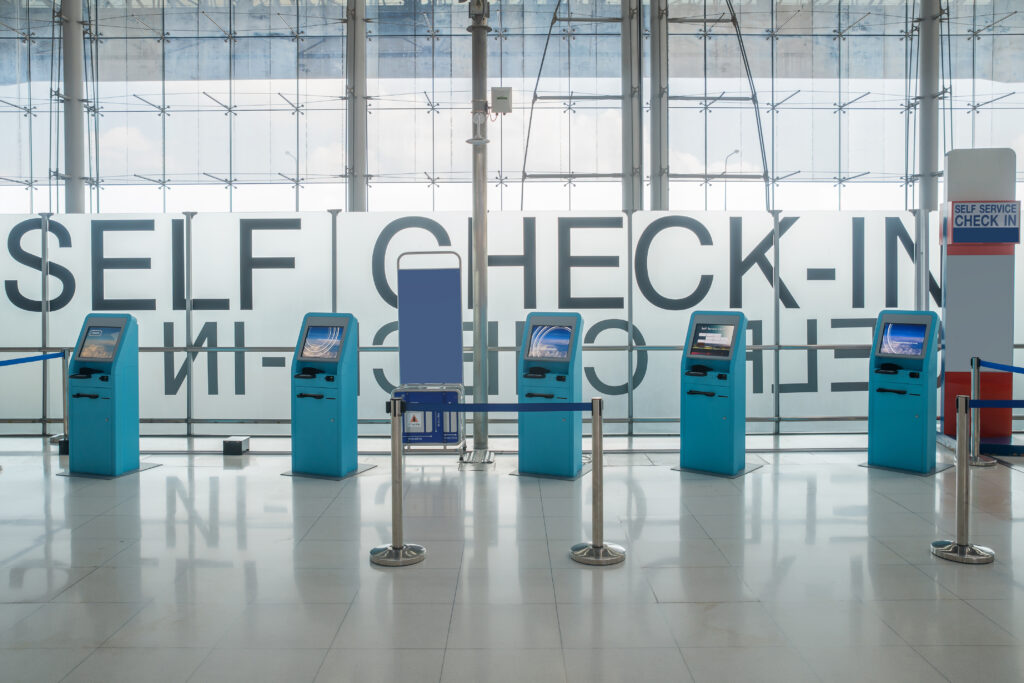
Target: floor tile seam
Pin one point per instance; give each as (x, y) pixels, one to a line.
(917, 650)
(84, 660)
(141, 606)
(451, 616)
(327, 652)
(53, 598)
(1017, 642)
(39, 606)
(209, 654)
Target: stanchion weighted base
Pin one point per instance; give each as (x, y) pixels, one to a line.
(587, 553)
(984, 461)
(964, 554)
(389, 556)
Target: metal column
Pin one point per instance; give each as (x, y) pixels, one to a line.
(44, 309)
(74, 111)
(355, 113)
(927, 143)
(632, 108)
(659, 105)
(478, 13)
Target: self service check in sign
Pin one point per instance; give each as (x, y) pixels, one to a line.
(990, 222)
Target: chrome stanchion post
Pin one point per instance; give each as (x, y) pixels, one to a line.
(398, 554)
(977, 459)
(961, 550)
(64, 387)
(598, 552)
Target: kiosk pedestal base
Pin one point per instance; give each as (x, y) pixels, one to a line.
(587, 553)
(940, 467)
(390, 556)
(583, 470)
(742, 473)
(964, 554)
(360, 468)
(480, 456)
(85, 475)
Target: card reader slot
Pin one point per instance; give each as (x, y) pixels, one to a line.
(694, 392)
(533, 395)
(309, 373)
(883, 390)
(698, 371)
(305, 395)
(85, 373)
(85, 395)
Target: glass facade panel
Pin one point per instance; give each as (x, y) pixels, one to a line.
(243, 105)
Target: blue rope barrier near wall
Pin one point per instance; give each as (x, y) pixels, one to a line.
(995, 403)
(30, 359)
(1000, 366)
(499, 407)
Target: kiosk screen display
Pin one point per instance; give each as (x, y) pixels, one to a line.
(902, 339)
(712, 339)
(322, 342)
(549, 342)
(100, 342)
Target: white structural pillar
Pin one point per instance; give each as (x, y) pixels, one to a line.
(632, 108)
(927, 142)
(355, 81)
(478, 13)
(978, 285)
(74, 112)
(659, 105)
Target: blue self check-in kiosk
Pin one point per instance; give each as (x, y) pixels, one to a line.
(550, 370)
(713, 402)
(325, 389)
(103, 397)
(902, 391)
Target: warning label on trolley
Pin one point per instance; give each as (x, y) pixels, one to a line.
(414, 422)
(431, 426)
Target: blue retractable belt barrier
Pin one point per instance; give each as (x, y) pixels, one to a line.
(1000, 366)
(500, 407)
(30, 359)
(996, 404)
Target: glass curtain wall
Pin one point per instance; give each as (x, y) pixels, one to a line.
(240, 105)
(228, 105)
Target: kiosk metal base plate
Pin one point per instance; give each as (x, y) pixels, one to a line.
(360, 468)
(85, 475)
(390, 556)
(583, 470)
(477, 457)
(964, 554)
(587, 553)
(742, 473)
(941, 467)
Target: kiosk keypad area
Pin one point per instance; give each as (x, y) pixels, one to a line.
(713, 397)
(325, 388)
(902, 391)
(103, 397)
(550, 444)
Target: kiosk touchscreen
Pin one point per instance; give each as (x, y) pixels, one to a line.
(325, 387)
(550, 370)
(902, 391)
(103, 397)
(714, 394)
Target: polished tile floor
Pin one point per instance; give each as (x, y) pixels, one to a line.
(811, 568)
